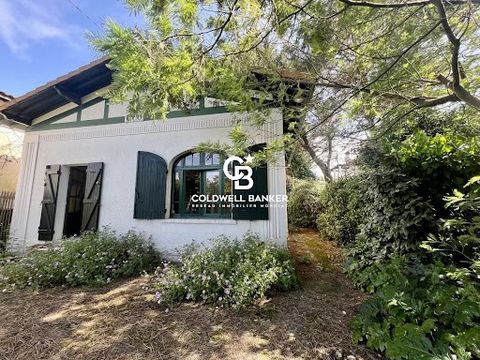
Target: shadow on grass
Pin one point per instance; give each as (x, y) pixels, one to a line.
(121, 321)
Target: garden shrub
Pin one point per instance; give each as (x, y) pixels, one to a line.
(406, 182)
(422, 270)
(304, 203)
(227, 273)
(93, 258)
(396, 219)
(421, 311)
(299, 163)
(340, 210)
(425, 303)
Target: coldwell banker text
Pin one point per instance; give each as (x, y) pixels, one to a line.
(239, 198)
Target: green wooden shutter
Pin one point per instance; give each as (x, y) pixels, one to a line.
(91, 200)
(260, 187)
(49, 203)
(150, 187)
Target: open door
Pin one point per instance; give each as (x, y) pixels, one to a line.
(74, 205)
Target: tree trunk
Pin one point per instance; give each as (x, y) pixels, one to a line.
(324, 166)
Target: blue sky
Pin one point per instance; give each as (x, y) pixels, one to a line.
(43, 39)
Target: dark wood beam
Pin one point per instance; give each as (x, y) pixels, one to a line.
(68, 94)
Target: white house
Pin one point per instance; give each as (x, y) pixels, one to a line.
(84, 166)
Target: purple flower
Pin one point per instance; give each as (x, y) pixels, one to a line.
(158, 295)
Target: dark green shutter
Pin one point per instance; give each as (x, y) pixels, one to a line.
(150, 186)
(260, 187)
(91, 200)
(49, 203)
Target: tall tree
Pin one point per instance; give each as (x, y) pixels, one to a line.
(375, 61)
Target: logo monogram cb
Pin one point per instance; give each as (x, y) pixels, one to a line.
(240, 172)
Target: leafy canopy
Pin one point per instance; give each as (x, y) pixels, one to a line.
(379, 59)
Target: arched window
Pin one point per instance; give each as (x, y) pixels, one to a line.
(200, 174)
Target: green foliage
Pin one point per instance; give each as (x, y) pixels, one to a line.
(228, 273)
(341, 210)
(395, 219)
(93, 258)
(304, 203)
(425, 303)
(457, 241)
(299, 164)
(188, 47)
(416, 254)
(407, 181)
(420, 311)
(440, 161)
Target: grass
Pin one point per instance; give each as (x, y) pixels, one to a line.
(121, 321)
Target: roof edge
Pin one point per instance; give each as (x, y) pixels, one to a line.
(71, 74)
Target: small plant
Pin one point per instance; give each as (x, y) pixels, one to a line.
(93, 258)
(228, 273)
(340, 210)
(304, 203)
(304, 260)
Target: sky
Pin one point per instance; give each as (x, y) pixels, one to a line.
(41, 40)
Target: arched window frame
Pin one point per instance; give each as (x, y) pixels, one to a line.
(179, 171)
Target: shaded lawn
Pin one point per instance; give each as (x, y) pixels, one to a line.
(121, 321)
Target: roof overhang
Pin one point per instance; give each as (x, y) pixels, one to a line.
(61, 91)
(4, 97)
(87, 79)
(299, 85)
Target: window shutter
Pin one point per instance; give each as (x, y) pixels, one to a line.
(260, 187)
(150, 186)
(49, 203)
(91, 200)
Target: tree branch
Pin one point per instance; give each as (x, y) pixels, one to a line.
(455, 84)
(222, 28)
(451, 37)
(379, 5)
(267, 33)
(319, 162)
(357, 91)
(420, 101)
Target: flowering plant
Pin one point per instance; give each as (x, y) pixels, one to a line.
(227, 273)
(93, 258)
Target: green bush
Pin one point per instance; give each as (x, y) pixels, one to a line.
(422, 270)
(396, 219)
(406, 182)
(340, 210)
(228, 273)
(304, 203)
(299, 163)
(421, 311)
(93, 258)
(425, 304)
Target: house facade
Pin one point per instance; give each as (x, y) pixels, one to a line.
(85, 166)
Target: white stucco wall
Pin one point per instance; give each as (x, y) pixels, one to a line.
(117, 146)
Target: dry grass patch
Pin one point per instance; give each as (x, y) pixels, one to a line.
(121, 321)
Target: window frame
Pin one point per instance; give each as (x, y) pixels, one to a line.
(203, 169)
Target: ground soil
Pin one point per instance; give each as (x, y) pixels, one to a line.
(121, 321)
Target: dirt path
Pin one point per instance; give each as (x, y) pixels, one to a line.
(118, 321)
